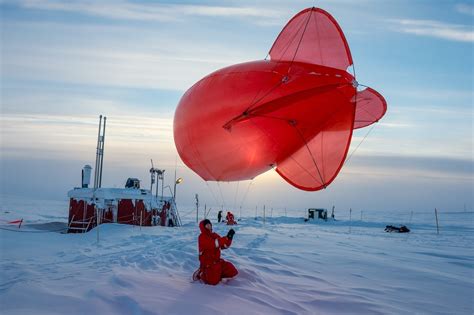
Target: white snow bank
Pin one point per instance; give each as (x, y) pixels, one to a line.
(286, 267)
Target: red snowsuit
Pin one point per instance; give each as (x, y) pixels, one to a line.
(163, 216)
(213, 267)
(230, 218)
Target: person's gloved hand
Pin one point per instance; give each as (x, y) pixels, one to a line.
(230, 234)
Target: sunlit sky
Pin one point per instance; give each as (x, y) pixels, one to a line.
(64, 63)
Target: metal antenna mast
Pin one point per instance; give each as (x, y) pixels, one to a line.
(99, 158)
(99, 162)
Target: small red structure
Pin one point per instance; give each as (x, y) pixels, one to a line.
(119, 205)
(89, 207)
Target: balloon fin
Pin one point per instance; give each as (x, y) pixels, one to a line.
(316, 163)
(312, 36)
(370, 107)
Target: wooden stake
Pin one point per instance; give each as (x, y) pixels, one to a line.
(437, 225)
(197, 208)
(97, 221)
(263, 214)
(350, 220)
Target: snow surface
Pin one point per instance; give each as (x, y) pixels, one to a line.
(286, 266)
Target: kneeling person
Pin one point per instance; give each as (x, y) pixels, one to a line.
(212, 267)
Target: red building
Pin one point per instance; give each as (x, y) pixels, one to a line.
(89, 207)
(119, 205)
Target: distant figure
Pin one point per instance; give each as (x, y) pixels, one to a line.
(402, 229)
(219, 216)
(154, 218)
(230, 218)
(164, 213)
(163, 216)
(212, 267)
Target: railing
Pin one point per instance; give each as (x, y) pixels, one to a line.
(83, 222)
(177, 218)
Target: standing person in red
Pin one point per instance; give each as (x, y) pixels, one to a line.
(163, 216)
(230, 218)
(213, 268)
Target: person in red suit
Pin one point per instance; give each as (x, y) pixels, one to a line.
(163, 216)
(230, 218)
(212, 267)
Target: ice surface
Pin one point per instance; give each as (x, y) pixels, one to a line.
(286, 266)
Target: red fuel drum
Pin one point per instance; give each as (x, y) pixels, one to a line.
(295, 112)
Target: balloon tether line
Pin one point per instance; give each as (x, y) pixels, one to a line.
(371, 128)
(213, 195)
(246, 192)
(222, 196)
(235, 195)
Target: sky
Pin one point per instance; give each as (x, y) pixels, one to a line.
(63, 63)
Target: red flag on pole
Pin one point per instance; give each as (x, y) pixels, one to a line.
(19, 222)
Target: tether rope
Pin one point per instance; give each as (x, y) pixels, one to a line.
(235, 195)
(354, 70)
(222, 196)
(187, 213)
(246, 193)
(371, 128)
(213, 195)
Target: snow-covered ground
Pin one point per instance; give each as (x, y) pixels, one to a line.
(286, 266)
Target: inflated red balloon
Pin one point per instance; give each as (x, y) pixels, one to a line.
(295, 111)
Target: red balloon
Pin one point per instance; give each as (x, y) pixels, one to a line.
(295, 111)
